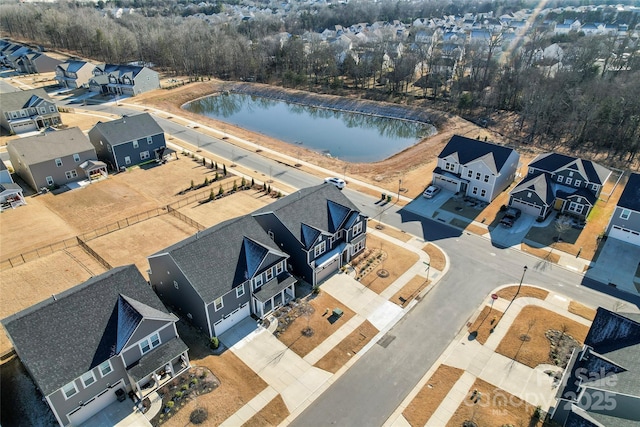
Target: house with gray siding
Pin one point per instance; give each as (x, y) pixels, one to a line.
(625, 222)
(11, 194)
(96, 341)
(37, 62)
(564, 183)
(55, 158)
(222, 275)
(128, 141)
(318, 227)
(74, 74)
(27, 111)
(600, 386)
(128, 80)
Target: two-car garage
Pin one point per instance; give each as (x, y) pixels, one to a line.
(625, 235)
(526, 207)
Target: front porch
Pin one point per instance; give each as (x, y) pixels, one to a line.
(94, 169)
(275, 293)
(158, 367)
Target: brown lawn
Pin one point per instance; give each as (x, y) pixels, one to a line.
(410, 291)
(396, 263)
(395, 233)
(475, 229)
(532, 323)
(319, 322)
(496, 407)
(271, 415)
(418, 412)
(525, 291)
(582, 310)
(544, 253)
(482, 327)
(235, 205)
(347, 348)
(436, 257)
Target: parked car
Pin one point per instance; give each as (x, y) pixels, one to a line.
(336, 181)
(431, 191)
(510, 216)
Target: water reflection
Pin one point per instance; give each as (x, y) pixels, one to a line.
(349, 136)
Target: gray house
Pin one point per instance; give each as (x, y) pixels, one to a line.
(318, 227)
(222, 275)
(475, 168)
(55, 158)
(97, 341)
(127, 80)
(128, 141)
(601, 384)
(625, 222)
(74, 74)
(37, 62)
(27, 110)
(573, 184)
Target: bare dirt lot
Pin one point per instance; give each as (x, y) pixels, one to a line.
(338, 356)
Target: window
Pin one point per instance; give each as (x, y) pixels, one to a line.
(23, 113)
(560, 178)
(319, 249)
(71, 174)
(469, 174)
(14, 114)
(58, 162)
(76, 158)
(43, 110)
(269, 274)
(69, 390)
(357, 229)
(279, 268)
(568, 181)
(594, 187)
(218, 304)
(149, 140)
(49, 180)
(478, 174)
(625, 214)
(271, 234)
(240, 291)
(88, 379)
(135, 144)
(577, 183)
(483, 192)
(486, 178)
(144, 155)
(52, 108)
(529, 194)
(257, 281)
(105, 368)
(150, 343)
(176, 285)
(575, 207)
(570, 173)
(450, 167)
(127, 160)
(475, 190)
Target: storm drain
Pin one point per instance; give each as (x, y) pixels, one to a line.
(386, 340)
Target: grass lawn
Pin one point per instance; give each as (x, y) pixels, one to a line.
(525, 291)
(410, 291)
(396, 263)
(319, 321)
(582, 310)
(418, 412)
(525, 342)
(495, 407)
(271, 415)
(347, 348)
(437, 259)
(482, 327)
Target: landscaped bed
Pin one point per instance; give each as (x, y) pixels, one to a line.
(339, 355)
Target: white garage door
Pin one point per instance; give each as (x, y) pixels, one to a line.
(24, 127)
(232, 319)
(106, 398)
(527, 208)
(445, 183)
(625, 235)
(327, 269)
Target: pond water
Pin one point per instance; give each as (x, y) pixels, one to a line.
(352, 137)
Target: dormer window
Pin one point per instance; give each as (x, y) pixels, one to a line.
(76, 158)
(218, 303)
(279, 267)
(570, 173)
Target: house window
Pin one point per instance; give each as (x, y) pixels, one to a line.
(269, 274)
(149, 343)
(14, 114)
(76, 158)
(105, 368)
(486, 178)
(240, 291)
(149, 140)
(594, 187)
(58, 162)
(52, 108)
(88, 379)
(577, 183)
(49, 180)
(270, 233)
(575, 207)
(279, 268)
(568, 181)
(135, 144)
(218, 304)
(450, 167)
(257, 281)
(357, 229)
(176, 285)
(144, 155)
(478, 174)
(483, 192)
(625, 214)
(127, 160)
(560, 178)
(71, 174)
(319, 249)
(23, 113)
(469, 174)
(43, 110)
(475, 190)
(529, 194)
(570, 173)
(69, 390)
(358, 247)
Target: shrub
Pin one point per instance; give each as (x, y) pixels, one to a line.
(191, 184)
(170, 404)
(279, 195)
(184, 387)
(211, 195)
(206, 181)
(224, 170)
(214, 343)
(220, 191)
(178, 394)
(217, 177)
(194, 381)
(252, 183)
(235, 186)
(198, 416)
(204, 162)
(243, 183)
(268, 189)
(215, 165)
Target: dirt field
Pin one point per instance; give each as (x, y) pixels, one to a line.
(271, 415)
(431, 395)
(338, 356)
(482, 327)
(410, 291)
(582, 310)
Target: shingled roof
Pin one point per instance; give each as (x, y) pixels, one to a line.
(67, 335)
(128, 128)
(13, 101)
(552, 162)
(467, 150)
(538, 183)
(51, 145)
(630, 197)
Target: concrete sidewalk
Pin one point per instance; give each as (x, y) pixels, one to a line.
(481, 361)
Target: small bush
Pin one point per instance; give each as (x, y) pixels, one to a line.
(215, 164)
(235, 186)
(220, 191)
(184, 387)
(204, 162)
(252, 183)
(211, 195)
(192, 185)
(206, 181)
(170, 404)
(178, 394)
(224, 170)
(243, 183)
(214, 343)
(198, 416)
(194, 381)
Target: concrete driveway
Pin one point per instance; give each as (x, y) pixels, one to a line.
(427, 207)
(617, 264)
(507, 237)
(118, 414)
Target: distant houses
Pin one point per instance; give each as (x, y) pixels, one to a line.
(27, 110)
(128, 80)
(73, 74)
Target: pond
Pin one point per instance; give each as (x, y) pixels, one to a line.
(352, 137)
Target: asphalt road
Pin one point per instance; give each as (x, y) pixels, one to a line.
(369, 392)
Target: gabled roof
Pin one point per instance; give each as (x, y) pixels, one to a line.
(538, 183)
(222, 257)
(51, 145)
(128, 128)
(553, 162)
(72, 66)
(14, 101)
(564, 192)
(630, 197)
(310, 211)
(61, 338)
(468, 149)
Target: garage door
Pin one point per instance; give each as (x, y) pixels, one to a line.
(232, 319)
(445, 183)
(327, 269)
(527, 208)
(92, 407)
(24, 127)
(625, 235)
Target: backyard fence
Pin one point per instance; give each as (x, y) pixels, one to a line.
(94, 254)
(184, 218)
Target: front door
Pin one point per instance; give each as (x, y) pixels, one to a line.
(463, 187)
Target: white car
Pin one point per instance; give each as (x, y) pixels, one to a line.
(431, 191)
(336, 181)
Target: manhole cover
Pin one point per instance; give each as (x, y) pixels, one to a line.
(386, 340)
(383, 273)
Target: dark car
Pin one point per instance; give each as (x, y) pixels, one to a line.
(510, 216)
